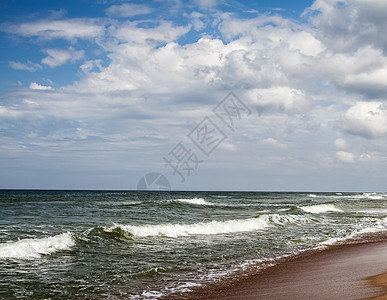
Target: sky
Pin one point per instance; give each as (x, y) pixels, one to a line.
(203, 94)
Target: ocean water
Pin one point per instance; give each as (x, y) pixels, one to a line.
(147, 245)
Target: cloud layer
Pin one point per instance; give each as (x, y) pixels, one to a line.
(316, 85)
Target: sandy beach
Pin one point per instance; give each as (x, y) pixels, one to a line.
(356, 271)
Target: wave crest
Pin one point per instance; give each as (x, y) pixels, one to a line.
(210, 228)
(320, 208)
(34, 248)
(195, 201)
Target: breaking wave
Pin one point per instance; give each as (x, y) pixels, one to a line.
(35, 248)
(209, 228)
(320, 208)
(194, 201)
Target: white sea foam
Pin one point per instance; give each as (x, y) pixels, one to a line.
(185, 287)
(34, 248)
(312, 195)
(211, 228)
(320, 208)
(375, 197)
(328, 242)
(195, 201)
(286, 219)
(152, 294)
(371, 196)
(378, 227)
(373, 211)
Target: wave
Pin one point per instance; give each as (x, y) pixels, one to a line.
(371, 196)
(195, 201)
(373, 211)
(320, 208)
(209, 228)
(289, 219)
(312, 195)
(118, 203)
(379, 226)
(35, 248)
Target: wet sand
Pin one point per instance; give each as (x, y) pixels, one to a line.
(357, 271)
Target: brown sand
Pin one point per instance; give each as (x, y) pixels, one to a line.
(380, 280)
(345, 272)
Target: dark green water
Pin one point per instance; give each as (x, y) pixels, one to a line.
(143, 245)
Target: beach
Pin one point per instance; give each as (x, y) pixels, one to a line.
(352, 271)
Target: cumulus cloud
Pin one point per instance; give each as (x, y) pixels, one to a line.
(127, 10)
(36, 86)
(371, 83)
(279, 98)
(274, 143)
(341, 143)
(28, 66)
(367, 119)
(347, 25)
(346, 157)
(57, 57)
(309, 82)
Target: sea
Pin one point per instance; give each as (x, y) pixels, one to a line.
(159, 244)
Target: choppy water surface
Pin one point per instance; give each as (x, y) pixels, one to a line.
(143, 245)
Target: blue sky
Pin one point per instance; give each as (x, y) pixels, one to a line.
(96, 94)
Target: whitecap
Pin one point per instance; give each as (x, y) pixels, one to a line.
(286, 219)
(209, 228)
(320, 208)
(34, 248)
(372, 196)
(194, 201)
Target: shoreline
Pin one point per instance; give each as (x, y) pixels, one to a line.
(353, 269)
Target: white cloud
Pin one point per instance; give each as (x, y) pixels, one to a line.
(367, 119)
(279, 98)
(36, 86)
(372, 83)
(197, 20)
(308, 83)
(274, 143)
(346, 157)
(228, 146)
(66, 29)
(28, 66)
(166, 32)
(91, 65)
(6, 113)
(347, 25)
(341, 143)
(128, 10)
(59, 57)
(206, 3)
